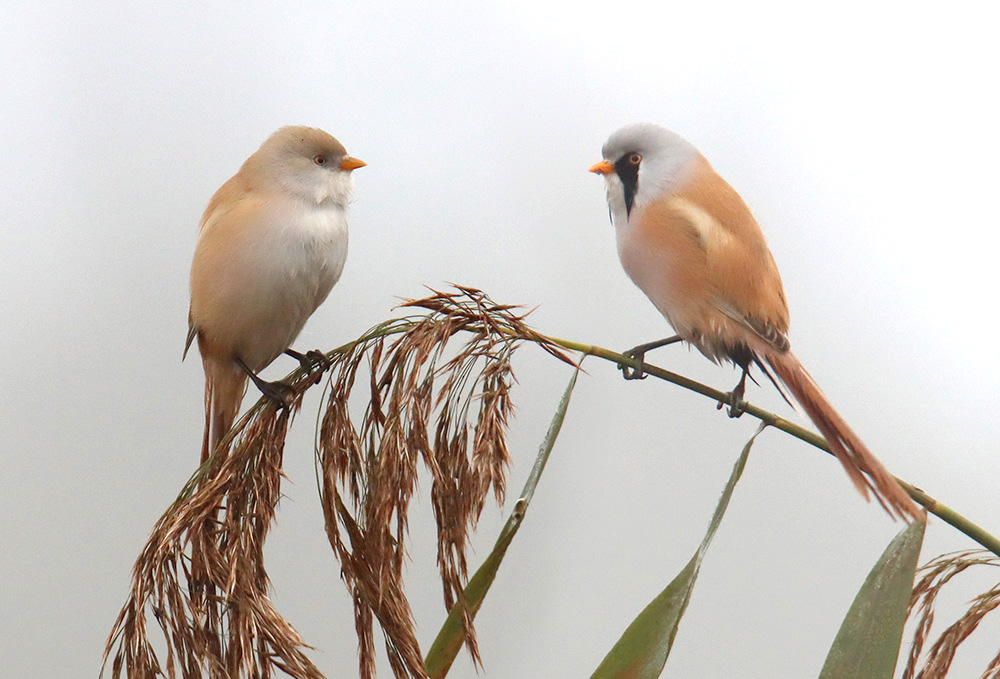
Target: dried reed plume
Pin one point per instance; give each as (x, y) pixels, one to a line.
(936, 574)
(222, 623)
(419, 409)
(219, 621)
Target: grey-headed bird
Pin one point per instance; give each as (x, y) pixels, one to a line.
(689, 242)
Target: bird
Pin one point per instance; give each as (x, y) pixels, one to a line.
(688, 240)
(271, 245)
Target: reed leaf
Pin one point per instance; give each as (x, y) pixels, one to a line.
(642, 651)
(453, 632)
(867, 645)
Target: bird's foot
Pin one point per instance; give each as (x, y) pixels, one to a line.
(310, 360)
(638, 355)
(277, 392)
(736, 404)
(634, 373)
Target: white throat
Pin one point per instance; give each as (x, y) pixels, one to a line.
(319, 185)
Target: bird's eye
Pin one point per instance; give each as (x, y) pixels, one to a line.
(634, 159)
(320, 160)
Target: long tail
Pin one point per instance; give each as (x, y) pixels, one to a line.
(225, 383)
(864, 469)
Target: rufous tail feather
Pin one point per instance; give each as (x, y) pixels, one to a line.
(224, 387)
(225, 384)
(864, 469)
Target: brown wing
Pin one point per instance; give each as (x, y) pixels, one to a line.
(741, 269)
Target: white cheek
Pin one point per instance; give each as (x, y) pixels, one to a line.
(616, 199)
(336, 188)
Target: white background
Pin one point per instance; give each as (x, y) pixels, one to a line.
(863, 135)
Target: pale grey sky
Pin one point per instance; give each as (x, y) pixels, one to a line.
(863, 136)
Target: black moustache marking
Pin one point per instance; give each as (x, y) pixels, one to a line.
(628, 173)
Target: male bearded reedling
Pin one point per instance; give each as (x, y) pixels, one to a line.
(689, 242)
(272, 243)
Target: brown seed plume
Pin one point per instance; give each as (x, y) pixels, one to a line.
(428, 402)
(431, 400)
(935, 576)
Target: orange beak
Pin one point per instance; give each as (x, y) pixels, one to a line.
(351, 163)
(603, 167)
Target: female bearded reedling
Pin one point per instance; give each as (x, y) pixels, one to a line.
(689, 242)
(272, 243)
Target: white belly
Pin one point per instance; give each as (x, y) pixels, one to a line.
(271, 278)
(650, 268)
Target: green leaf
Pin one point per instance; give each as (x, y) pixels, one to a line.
(867, 644)
(452, 635)
(642, 650)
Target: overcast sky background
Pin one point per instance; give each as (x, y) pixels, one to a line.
(863, 135)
